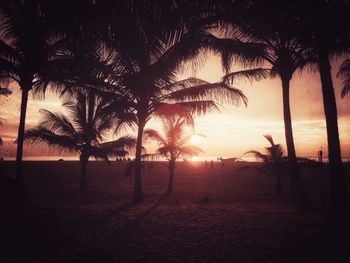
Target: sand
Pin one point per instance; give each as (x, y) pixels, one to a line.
(219, 214)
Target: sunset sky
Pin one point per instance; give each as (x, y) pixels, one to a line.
(235, 130)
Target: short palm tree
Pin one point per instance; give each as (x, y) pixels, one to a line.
(82, 131)
(174, 143)
(274, 162)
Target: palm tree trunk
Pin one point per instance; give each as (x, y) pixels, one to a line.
(288, 129)
(171, 176)
(83, 187)
(20, 188)
(297, 188)
(338, 212)
(138, 192)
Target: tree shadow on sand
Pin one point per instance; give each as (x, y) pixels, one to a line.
(115, 247)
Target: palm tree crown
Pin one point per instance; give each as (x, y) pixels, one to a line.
(178, 130)
(176, 122)
(82, 131)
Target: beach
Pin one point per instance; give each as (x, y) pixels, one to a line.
(219, 214)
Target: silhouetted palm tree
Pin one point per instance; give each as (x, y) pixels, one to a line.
(274, 163)
(174, 143)
(193, 94)
(344, 73)
(329, 37)
(147, 62)
(82, 131)
(269, 24)
(25, 49)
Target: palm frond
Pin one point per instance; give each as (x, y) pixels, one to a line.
(249, 74)
(234, 50)
(174, 112)
(8, 53)
(346, 88)
(125, 143)
(200, 107)
(165, 150)
(104, 154)
(344, 69)
(189, 150)
(8, 71)
(182, 84)
(270, 139)
(150, 134)
(5, 92)
(275, 152)
(258, 155)
(44, 136)
(219, 91)
(344, 73)
(57, 123)
(125, 120)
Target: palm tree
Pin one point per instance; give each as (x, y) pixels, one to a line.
(329, 37)
(193, 94)
(3, 92)
(274, 163)
(269, 24)
(147, 61)
(82, 131)
(173, 144)
(324, 38)
(344, 73)
(25, 48)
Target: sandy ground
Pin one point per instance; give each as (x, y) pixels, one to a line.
(219, 214)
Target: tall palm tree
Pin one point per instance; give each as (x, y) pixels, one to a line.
(174, 143)
(329, 37)
(344, 73)
(25, 48)
(148, 59)
(269, 24)
(82, 131)
(3, 92)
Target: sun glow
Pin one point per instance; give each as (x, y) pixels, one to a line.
(194, 159)
(196, 139)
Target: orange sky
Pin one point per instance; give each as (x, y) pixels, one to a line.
(235, 130)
